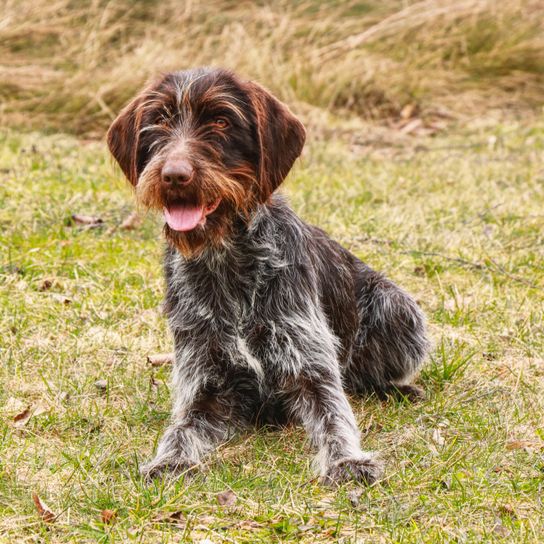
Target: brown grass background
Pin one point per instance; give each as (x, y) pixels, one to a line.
(71, 64)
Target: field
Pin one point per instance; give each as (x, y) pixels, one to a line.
(425, 157)
(457, 220)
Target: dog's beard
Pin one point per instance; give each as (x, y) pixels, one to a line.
(201, 214)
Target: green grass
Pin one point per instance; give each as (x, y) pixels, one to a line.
(458, 220)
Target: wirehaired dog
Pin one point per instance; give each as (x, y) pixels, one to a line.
(272, 320)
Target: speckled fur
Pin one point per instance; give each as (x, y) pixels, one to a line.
(277, 322)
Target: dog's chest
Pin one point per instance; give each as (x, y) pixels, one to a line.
(222, 300)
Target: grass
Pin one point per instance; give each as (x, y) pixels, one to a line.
(71, 65)
(456, 219)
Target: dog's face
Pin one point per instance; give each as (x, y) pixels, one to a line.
(205, 148)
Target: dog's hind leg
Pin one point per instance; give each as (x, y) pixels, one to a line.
(391, 343)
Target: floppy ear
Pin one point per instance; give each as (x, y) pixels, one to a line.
(281, 139)
(123, 139)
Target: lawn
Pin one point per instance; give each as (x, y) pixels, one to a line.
(457, 219)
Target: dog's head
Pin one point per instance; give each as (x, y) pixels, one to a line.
(205, 148)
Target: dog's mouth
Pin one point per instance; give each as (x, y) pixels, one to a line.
(184, 216)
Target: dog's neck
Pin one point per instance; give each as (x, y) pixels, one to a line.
(246, 240)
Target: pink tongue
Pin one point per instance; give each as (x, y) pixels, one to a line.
(183, 218)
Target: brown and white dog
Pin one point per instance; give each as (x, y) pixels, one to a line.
(272, 320)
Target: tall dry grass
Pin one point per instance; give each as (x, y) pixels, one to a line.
(71, 64)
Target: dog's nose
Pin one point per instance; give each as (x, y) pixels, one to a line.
(177, 172)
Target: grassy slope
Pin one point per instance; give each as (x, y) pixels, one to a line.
(465, 465)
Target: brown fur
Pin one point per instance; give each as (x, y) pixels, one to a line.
(240, 185)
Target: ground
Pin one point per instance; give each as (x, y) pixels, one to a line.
(457, 219)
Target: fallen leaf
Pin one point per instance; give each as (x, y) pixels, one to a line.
(13, 405)
(160, 359)
(227, 498)
(46, 284)
(132, 222)
(108, 516)
(419, 271)
(60, 298)
(437, 437)
(307, 526)
(507, 509)
(499, 469)
(101, 385)
(87, 220)
(354, 496)
(22, 418)
(45, 512)
(523, 445)
(500, 529)
(170, 517)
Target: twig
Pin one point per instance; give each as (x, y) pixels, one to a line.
(459, 260)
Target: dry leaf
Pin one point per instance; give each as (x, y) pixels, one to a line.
(227, 498)
(46, 284)
(132, 222)
(45, 512)
(170, 517)
(13, 406)
(87, 220)
(523, 445)
(354, 495)
(60, 298)
(437, 437)
(108, 516)
(160, 359)
(101, 385)
(507, 509)
(500, 529)
(22, 418)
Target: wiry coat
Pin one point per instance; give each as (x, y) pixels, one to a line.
(274, 322)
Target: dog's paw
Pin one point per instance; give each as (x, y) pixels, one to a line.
(366, 470)
(163, 467)
(411, 392)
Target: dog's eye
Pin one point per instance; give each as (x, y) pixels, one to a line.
(220, 123)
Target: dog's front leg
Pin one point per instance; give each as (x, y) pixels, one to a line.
(318, 401)
(200, 421)
(315, 397)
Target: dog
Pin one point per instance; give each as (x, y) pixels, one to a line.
(273, 322)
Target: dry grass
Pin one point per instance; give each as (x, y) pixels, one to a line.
(71, 65)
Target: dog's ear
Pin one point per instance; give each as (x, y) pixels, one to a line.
(123, 139)
(281, 139)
